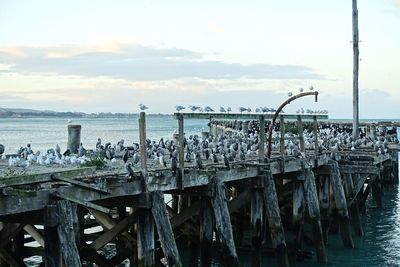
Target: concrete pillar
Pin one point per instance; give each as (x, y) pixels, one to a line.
(74, 138)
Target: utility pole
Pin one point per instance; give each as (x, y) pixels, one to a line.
(356, 54)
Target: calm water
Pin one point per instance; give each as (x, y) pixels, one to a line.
(379, 247)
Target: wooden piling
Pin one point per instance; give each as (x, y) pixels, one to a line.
(164, 230)
(145, 238)
(274, 219)
(222, 221)
(353, 209)
(206, 232)
(341, 205)
(298, 211)
(324, 204)
(311, 197)
(52, 253)
(257, 222)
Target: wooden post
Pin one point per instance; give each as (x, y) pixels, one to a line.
(298, 211)
(376, 187)
(66, 234)
(74, 138)
(311, 197)
(52, 252)
(206, 232)
(223, 221)
(143, 149)
(181, 152)
(274, 219)
(145, 238)
(282, 137)
(164, 230)
(301, 136)
(355, 70)
(341, 205)
(324, 206)
(354, 212)
(257, 222)
(315, 131)
(261, 149)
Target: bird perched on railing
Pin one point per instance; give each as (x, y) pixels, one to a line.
(301, 90)
(208, 109)
(179, 108)
(221, 109)
(290, 94)
(228, 109)
(311, 88)
(194, 108)
(142, 107)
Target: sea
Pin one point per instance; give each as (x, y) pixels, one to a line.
(380, 245)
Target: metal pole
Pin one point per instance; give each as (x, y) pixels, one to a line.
(356, 54)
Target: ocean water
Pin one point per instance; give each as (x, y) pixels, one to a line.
(380, 246)
(44, 133)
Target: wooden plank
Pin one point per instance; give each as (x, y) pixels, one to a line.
(206, 232)
(33, 232)
(164, 229)
(114, 231)
(282, 136)
(244, 116)
(65, 235)
(82, 202)
(80, 184)
(181, 151)
(43, 177)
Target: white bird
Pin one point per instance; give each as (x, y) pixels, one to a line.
(311, 88)
(142, 107)
(179, 108)
(290, 94)
(301, 90)
(221, 109)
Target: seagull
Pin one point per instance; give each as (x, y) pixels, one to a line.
(290, 94)
(241, 109)
(208, 109)
(2, 149)
(311, 88)
(179, 108)
(301, 90)
(193, 108)
(221, 109)
(229, 109)
(142, 107)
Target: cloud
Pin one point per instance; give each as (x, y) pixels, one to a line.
(139, 63)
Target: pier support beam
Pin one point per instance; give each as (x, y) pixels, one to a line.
(314, 213)
(145, 238)
(206, 232)
(341, 205)
(257, 223)
(353, 209)
(274, 219)
(223, 221)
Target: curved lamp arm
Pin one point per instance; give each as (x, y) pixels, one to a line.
(271, 126)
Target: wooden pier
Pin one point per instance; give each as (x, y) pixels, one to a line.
(259, 205)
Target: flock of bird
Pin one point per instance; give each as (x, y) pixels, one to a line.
(199, 151)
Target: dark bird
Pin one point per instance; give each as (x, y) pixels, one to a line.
(199, 162)
(126, 155)
(67, 152)
(174, 164)
(215, 158)
(2, 149)
(130, 170)
(226, 161)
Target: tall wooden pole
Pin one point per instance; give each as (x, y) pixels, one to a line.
(355, 70)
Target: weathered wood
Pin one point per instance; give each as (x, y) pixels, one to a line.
(274, 219)
(9, 259)
(43, 177)
(315, 132)
(261, 148)
(282, 136)
(66, 234)
(33, 232)
(341, 205)
(355, 71)
(145, 238)
(376, 187)
(113, 232)
(298, 201)
(181, 151)
(353, 210)
(301, 136)
(222, 220)
(164, 229)
(257, 223)
(52, 253)
(324, 203)
(9, 231)
(358, 186)
(82, 202)
(314, 213)
(80, 184)
(143, 150)
(206, 232)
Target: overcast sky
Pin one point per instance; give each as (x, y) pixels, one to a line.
(95, 56)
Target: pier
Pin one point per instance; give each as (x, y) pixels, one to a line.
(270, 203)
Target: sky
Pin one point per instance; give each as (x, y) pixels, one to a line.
(109, 56)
